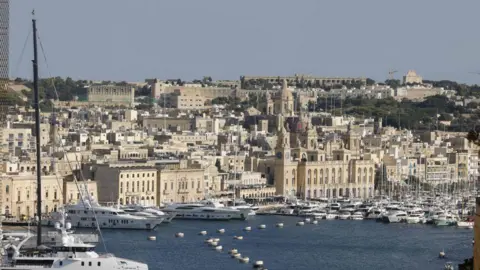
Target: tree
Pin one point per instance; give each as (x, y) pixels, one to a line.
(370, 81)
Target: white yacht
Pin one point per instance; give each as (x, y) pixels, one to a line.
(148, 211)
(357, 216)
(396, 216)
(331, 215)
(344, 215)
(415, 217)
(209, 210)
(67, 253)
(87, 213)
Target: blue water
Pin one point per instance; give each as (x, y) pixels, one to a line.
(331, 244)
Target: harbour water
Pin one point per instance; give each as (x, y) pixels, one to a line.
(330, 244)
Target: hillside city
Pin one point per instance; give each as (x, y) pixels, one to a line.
(261, 139)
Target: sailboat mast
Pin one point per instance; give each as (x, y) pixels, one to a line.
(37, 131)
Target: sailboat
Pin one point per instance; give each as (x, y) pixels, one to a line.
(69, 252)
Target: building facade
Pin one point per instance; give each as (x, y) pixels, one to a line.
(111, 95)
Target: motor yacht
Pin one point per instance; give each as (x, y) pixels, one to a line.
(445, 219)
(415, 217)
(67, 252)
(148, 211)
(87, 213)
(357, 216)
(206, 210)
(331, 215)
(395, 216)
(343, 215)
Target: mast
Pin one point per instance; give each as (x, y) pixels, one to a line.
(37, 131)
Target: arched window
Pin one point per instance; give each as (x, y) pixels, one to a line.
(326, 179)
(333, 176)
(359, 177)
(364, 175)
(309, 177)
(321, 176)
(293, 177)
(143, 186)
(314, 180)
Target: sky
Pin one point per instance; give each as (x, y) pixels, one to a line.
(133, 40)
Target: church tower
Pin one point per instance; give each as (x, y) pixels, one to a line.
(285, 171)
(284, 101)
(353, 139)
(269, 106)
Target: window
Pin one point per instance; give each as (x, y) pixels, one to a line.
(46, 194)
(18, 196)
(143, 186)
(89, 263)
(99, 263)
(55, 195)
(83, 263)
(121, 187)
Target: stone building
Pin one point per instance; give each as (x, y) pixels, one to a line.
(111, 95)
(412, 77)
(281, 103)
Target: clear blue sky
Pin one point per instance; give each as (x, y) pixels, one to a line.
(133, 40)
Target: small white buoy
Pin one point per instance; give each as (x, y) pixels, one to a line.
(179, 235)
(247, 229)
(315, 222)
(238, 237)
(209, 240)
(202, 233)
(442, 254)
(279, 225)
(218, 248)
(307, 220)
(221, 230)
(233, 251)
(213, 244)
(300, 223)
(258, 264)
(236, 255)
(473, 242)
(262, 226)
(152, 238)
(244, 260)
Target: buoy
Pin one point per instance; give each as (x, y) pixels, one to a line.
(262, 226)
(307, 220)
(279, 225)
(300, 223)
(247, 229)
(236, 255)
(221, 231)
(202, 233)
(244, 260)
(218, 248)
(442, 254)
(233, 251)
(214, 244)
(258, 264)
(216, 239)
(179, 235)
(209, 240)
(315, 222)
(473, 242)
(152, 238)
(238, 237)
